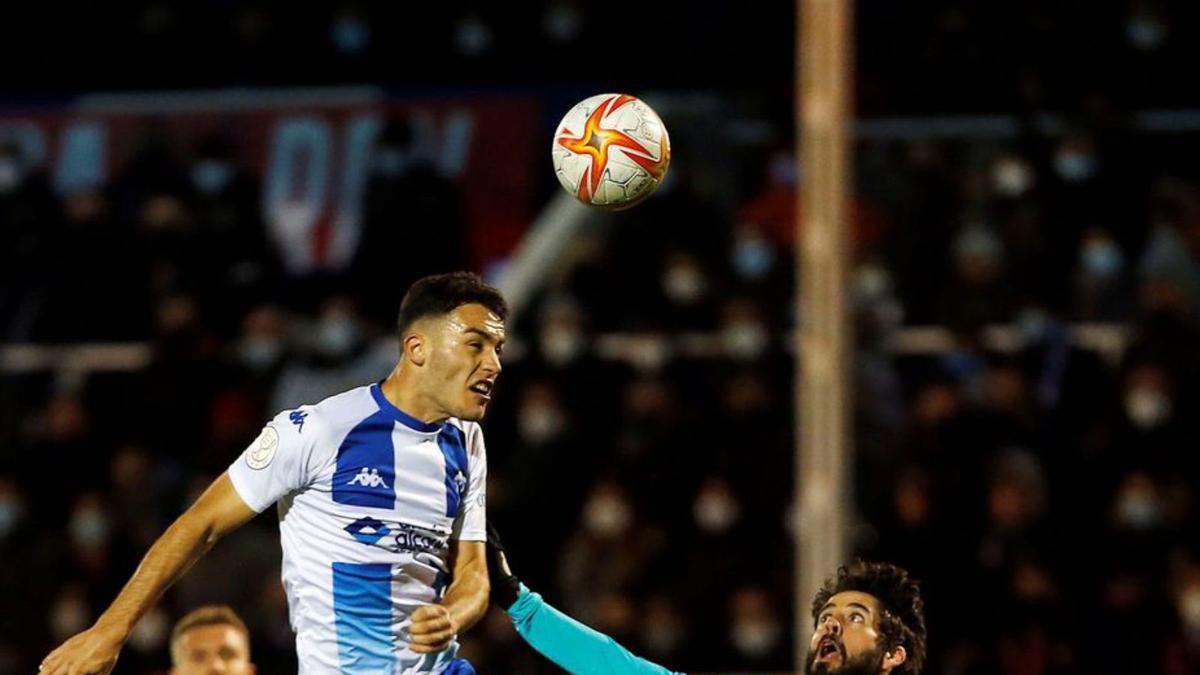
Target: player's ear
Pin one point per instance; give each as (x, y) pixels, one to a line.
(415, 348)
(894, 659)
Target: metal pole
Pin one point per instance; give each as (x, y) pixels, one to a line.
(823, 459)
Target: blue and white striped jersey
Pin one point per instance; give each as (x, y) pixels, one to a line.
(369, 498)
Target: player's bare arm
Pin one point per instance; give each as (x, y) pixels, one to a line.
(216, 513)
(434, 626)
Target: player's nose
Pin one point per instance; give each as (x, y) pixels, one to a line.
(833, 627)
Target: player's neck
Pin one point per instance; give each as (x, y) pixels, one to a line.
(400, 391)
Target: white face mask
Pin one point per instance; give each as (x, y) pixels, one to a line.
(745, 340)
(1147, 407)
(336, 336)
(607, 516)
(683, 284)
(755, 638)
(561, 346)
(715, 511)
(260, 353)
(539, 423)
(1138, 510)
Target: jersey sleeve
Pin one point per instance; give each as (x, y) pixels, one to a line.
(278, 461)
(571, 645)
(471, 523)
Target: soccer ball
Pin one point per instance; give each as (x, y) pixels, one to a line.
(611, 151)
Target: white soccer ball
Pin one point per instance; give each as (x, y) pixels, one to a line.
(611, 151)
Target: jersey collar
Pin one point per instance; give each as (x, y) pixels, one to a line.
(401, 416)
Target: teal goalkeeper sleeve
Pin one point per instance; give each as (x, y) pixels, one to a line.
(573, 646)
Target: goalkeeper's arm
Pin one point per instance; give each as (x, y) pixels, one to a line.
(568, 643)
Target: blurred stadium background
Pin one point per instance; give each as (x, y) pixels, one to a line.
(208, 212)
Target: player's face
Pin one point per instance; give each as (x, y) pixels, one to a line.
(464, 360)
(846, 639)
(208, 650)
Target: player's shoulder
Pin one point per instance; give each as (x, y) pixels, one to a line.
(472, 433)
(340, 410)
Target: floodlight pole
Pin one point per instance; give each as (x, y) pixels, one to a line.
(824, 348)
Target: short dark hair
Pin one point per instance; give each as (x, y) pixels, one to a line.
(902, 623)
(208, 615)
(441, 294)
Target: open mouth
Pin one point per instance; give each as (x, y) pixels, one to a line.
(827, 649)
(483, 388)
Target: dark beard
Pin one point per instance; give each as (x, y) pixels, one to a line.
(866, 663)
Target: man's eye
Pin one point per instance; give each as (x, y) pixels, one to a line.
(856, 617)
(823, 618)
(475, 345)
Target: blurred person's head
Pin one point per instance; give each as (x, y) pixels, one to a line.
(451, 329)
(264, 339)
(1016, 490)
(1012, 176)
(978, 255)
(1147, 397)
(213, 170)
(607, 513)
(663, 628)
(1137, 504)
(753, 255)
(869, 619)
(716, 508)
(12, 167)
(745, 394)
(561, 337)
(338, 332)
(684, 279)
(1076, 159)
(911, 497)
(13, 507)
(936, 402)
(1100, 258)
(744, 333)
(755, 628)
(1004, 388)
(209, 640)
(540, 415)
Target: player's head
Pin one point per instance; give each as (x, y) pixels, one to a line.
(869, 619)
(211, 639)
(451, 330)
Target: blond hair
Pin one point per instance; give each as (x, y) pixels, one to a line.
(208, 615)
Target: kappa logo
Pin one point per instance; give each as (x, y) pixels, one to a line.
(368, 478)
(297, 417)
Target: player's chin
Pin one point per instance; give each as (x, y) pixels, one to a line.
(474, 408)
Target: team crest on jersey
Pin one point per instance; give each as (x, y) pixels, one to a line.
(460, 482)
(262, 450)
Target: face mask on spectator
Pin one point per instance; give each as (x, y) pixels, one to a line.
(662, 637)
(1138, 509)
(1102, 259)
(538, 423)
(683, 283)
(336, 336)
(259, 354)
(755, 638)
(11, 513)
(753, 257)
(212, 176)
(745, 339)
(89, 527)
(607, 516)
(350, 34)
(1189, 608)
(10, 174)
(1147, 407)
(1074, 166)
(715, 510)
(1145, 32)
(1011, 177)
(561, 346)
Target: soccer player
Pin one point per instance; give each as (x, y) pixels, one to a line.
(381, 494)
(211, 639)
(869, 620)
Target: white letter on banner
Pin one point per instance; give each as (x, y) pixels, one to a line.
(293, 201)
(361, 132)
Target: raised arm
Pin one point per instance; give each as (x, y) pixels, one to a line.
(466, 601)
(217, 512)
